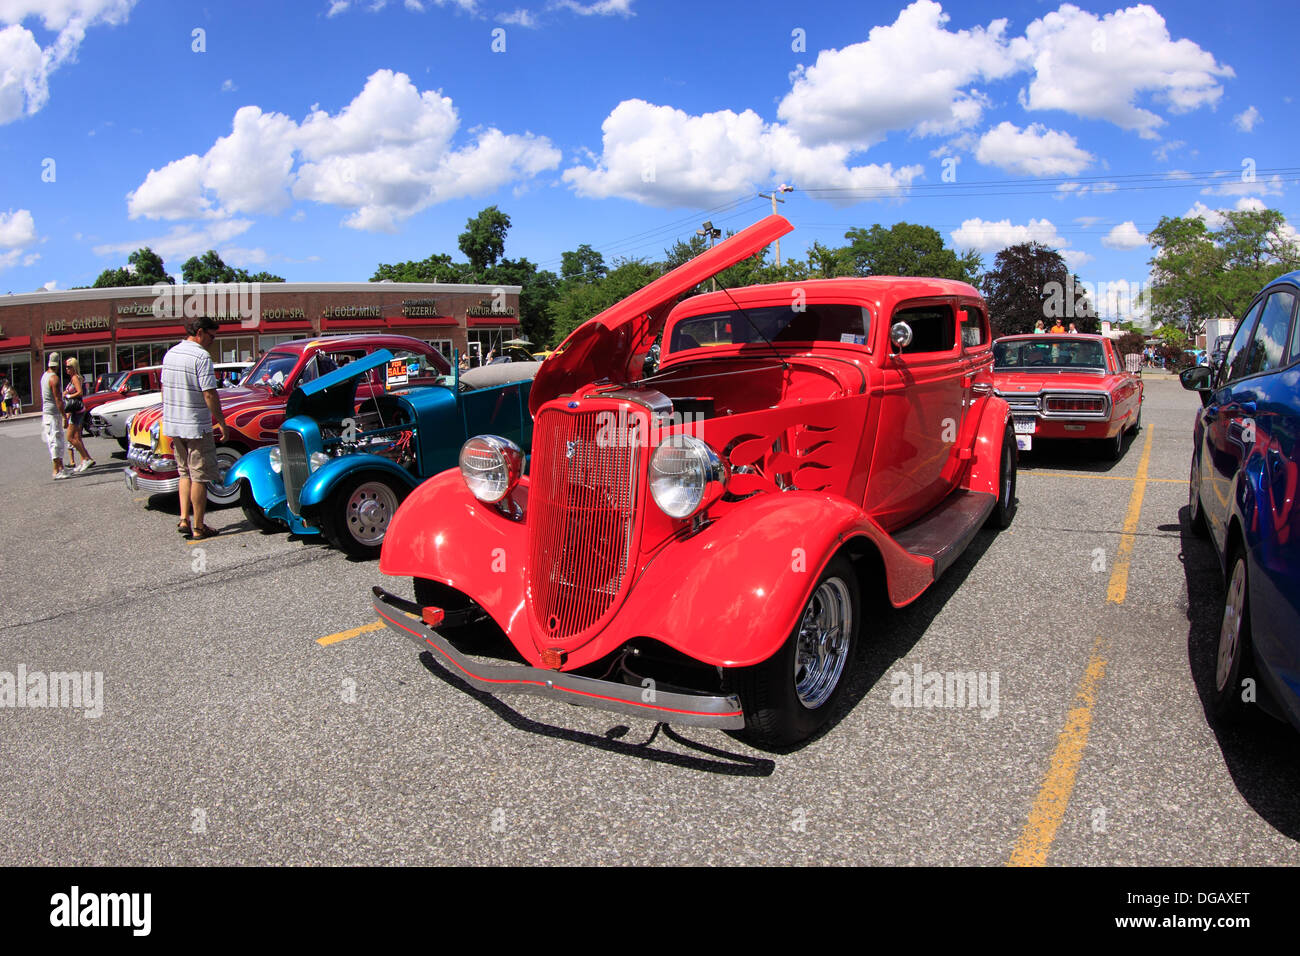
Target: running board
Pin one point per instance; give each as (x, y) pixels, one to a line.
(943, 534)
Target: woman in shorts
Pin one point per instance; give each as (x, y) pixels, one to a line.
(73, 395)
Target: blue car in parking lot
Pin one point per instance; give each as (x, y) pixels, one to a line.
(340, 470)
(1242, 494)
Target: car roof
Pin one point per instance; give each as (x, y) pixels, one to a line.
(1292, 277)
(1053, 337)
(882, 290)
(378, 340)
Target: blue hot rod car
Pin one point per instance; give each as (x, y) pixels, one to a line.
(341, 470)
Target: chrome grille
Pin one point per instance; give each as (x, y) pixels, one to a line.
(582, 508)
(1021, 404)
(293, 466)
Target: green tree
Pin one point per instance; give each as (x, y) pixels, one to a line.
(825, 262)
(583, 264)
(906, 249)
(210, 268)
(1200, 273)
(578, 302)
(436, 268)
(484, 239)
(537, 289)
(1031, 282)
(144, 267)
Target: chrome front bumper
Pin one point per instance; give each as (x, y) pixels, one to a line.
(698, 710)
(153, 486)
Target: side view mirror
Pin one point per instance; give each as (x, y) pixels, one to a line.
(1198, 379)
(900, 335)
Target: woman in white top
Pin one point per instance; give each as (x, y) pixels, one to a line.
(76, 413)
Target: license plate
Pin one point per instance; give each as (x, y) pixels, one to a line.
(1024, 442)
(1026, 426)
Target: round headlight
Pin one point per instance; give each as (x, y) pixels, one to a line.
(491, 466)
(274, 459)
(317, 459)
(153, 434)
(686, 475)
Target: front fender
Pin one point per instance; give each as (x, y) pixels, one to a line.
(986, 450)
(255, 468)
(325, 478)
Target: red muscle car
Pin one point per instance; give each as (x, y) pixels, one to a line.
(1067, 386)
(255, 409)
(691, 541)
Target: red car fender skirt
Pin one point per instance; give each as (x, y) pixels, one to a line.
(986, 450)
(731, 594)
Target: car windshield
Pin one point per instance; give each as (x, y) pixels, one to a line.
(1039, 353)
(272, 369)
(119, 381)
(801, 322)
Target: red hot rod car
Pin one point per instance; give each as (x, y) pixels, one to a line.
(691, 541)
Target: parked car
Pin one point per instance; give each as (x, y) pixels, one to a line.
(692, 546)
(341, 471)
(255, 410)
(1220, 350)
(1242, 493)
(111, 419)
(1067, 386)
(127, 384)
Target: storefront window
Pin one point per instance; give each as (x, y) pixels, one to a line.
(236, 348)
(142, 355)
(267, 342)
(92, 362)
(17, 368)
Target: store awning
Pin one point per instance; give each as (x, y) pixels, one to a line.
(368, 324)
(16, 343)
(405, 322)
(165, 332)
(273, 328)
(495, 321)
(69, 341)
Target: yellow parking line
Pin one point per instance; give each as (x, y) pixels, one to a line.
(1118, 586)
(1054, 795)
(355, 632)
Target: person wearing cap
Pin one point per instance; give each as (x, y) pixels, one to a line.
(52, 415)
(191, 415)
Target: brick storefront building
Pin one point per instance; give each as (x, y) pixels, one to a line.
(114, 330)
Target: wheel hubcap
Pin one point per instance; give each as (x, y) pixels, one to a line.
(219, 489)
(1230, 631)
(823, 643)
(369, 509)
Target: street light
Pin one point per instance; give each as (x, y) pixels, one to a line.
(783, 188)
(706, 229)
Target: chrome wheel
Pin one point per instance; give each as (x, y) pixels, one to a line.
(1234, 607)
(368, 510)
(823, 643)
(219, 493)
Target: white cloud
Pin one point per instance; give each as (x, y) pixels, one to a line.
(1082, 189)
(1241, 186)
(1124, 236)
(987, 236)
(25, 66)
(385, 156)
(1246, 120)
(1165, 150)
(668, 158)
(17, 228)
(51, 285)
(1099, 67)
(518, 18)
(181, 242)
(1035, 150)
(337, 7)
(601, 8)
(912, 75)
(228, 86)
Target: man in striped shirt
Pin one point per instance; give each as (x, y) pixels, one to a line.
(191, 414)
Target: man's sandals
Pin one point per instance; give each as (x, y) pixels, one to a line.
(203, 531)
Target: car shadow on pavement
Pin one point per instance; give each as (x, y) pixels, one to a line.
(1262, 753)
(1074, 455)
(723, 762)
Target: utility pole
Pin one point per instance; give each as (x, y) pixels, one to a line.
(783, 188)
(706, 229)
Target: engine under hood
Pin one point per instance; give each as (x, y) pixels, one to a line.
(611, 345)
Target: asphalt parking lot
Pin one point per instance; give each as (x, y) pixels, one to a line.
(252, 712)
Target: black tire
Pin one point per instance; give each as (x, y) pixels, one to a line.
(1137, 423)
(220, 495)
(124, 443)
(355, 518)
(254, 513)
(786, 702)
(1008, 461)
(1195, 512)
(1232, 650)
(1112, 449)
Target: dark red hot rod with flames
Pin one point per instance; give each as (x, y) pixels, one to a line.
(691, 540)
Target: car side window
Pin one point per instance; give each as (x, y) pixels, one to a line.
(933, 328)
(973, 328)
(1268, 345)
(1234, 363)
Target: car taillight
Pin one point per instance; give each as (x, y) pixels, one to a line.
(1075, 404)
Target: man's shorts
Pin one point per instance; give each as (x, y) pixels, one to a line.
(52, 433)
(196, 458)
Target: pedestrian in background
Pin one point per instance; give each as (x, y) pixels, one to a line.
(1038, 327)
(191, 415)
(75, 409)
(52, 415)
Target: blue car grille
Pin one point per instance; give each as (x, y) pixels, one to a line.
(293, 466)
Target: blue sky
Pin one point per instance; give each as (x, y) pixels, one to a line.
(316, 139)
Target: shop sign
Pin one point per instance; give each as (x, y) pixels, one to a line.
(87, 324)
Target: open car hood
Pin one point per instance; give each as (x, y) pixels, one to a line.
(333, 396)
(612, 345)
